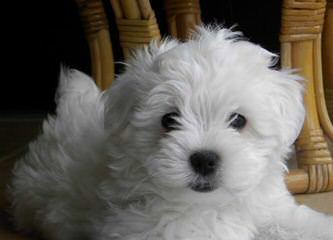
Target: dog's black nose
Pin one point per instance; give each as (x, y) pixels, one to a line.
(204, 162)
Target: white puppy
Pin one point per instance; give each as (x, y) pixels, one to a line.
(189, 143)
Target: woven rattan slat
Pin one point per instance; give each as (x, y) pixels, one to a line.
(183, 16)
(96, 27)
(136, 23)
(328, 58)
(293, 4)
(304, 12)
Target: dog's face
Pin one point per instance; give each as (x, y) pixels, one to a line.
(206, 115)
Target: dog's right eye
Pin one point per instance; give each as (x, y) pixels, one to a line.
(169, 122)
(238, 121)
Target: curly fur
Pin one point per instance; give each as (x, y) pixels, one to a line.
(105, 169)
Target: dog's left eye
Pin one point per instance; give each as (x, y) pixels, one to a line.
(237, 121)
(169, 122)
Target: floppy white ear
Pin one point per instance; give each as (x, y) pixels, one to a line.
(79, 113)
(286, 99)
(119, 102)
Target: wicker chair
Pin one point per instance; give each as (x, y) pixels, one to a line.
(302, 24)
(301, 44)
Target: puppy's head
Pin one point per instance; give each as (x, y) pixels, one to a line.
(206, 115)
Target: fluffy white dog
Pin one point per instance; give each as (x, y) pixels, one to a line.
(188, 144)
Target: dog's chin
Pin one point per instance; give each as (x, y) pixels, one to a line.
(203, 189)
(204, 186)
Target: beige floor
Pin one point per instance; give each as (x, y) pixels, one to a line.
(322, 202)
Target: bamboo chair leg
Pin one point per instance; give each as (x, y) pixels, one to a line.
(300, 48)
(328, 57)
(319, 91)
(183, 16)
(97, 33)
(136, 23)
(319, 87)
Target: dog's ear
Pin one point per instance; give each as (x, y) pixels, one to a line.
(119, 102)
(133, 85)
(286, 100)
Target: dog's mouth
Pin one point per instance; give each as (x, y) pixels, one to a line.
(203, 186)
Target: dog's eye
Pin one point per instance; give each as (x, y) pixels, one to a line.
(237, 121)
(168, 121)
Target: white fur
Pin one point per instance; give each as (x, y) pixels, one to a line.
(104, 169)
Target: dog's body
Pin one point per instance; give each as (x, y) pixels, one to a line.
(130, 163)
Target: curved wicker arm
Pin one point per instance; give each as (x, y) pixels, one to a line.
(183, 16)
(300, 48)
(319, 88)
(97, 32)
(328, 57)
(136, 23)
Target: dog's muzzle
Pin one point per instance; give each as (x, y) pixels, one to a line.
(204, 163)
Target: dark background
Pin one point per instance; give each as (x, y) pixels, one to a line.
(40, 35)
